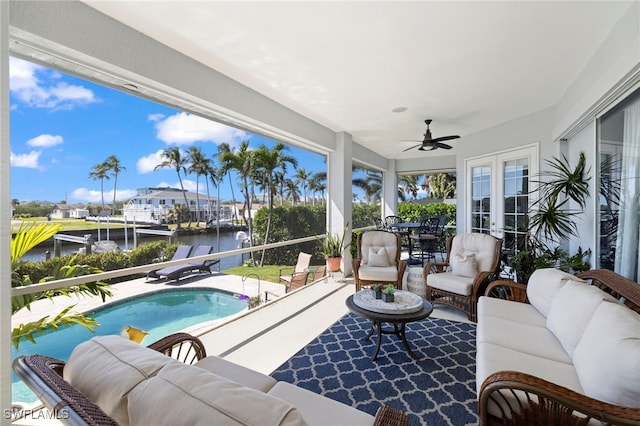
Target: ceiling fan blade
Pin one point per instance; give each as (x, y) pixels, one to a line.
(445, 138)
(415, 146)
(442, 145)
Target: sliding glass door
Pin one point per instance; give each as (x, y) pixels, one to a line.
(619, 149)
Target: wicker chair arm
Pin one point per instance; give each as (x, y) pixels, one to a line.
(387, 416)
(618, 286)
(181, 346)
(480, 283)
(434, 267)
(508, 290)
(535, 401)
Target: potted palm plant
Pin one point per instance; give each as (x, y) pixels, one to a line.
(332, 248)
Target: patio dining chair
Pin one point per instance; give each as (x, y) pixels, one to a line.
(302, 265)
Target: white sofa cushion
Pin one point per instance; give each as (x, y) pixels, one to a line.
(320, 410)
(571, 310)
(607, 358)
(512, 311)
(525, 338)
(464, 265)
(186, 395)
(491, 358)
(543, 286)
(106, 368)
(237, 373)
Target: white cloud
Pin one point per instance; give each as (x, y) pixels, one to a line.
(34, 85)
(189, 185)
(94, 196)
(29, 161)
(184, 129)
(45, 141)
(148, 163)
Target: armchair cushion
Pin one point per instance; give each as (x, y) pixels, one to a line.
(606, 358)
(571, 310)
(482, 245)
(203, 395)
(378, 257)
(464, 265)
(378, 273)
(377, 240)
(449, 282)
(543, 286)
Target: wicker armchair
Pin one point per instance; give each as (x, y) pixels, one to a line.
(529, 400)
(391, 270)
(461, 290)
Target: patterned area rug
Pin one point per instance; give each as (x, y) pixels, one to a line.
(438, 389)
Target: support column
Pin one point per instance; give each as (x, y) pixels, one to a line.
(390, 190)
(339, 204)
(5, 220)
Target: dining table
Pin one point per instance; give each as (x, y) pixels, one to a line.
(409, 229)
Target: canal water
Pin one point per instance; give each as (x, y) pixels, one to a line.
(227, 242)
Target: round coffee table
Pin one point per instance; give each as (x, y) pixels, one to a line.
(399, 320)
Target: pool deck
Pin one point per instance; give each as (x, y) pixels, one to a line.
(261, 338)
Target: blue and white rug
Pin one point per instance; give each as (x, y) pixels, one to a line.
(438, 389)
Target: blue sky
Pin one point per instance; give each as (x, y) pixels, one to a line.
(61, 126)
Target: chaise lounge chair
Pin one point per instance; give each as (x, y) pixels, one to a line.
(182, 252)
(173, 273)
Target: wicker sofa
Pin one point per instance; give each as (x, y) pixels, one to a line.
(109, 380)
(560, 351)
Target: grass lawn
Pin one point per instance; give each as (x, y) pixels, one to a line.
(67, 224)
(269, 273)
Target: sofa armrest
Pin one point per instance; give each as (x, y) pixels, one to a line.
(181, 346)
(527, 399)
(387, 416)
(44, 376)
(508, 290)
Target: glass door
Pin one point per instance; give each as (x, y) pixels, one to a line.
(498, 194)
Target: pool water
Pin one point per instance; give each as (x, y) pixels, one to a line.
(159, 313)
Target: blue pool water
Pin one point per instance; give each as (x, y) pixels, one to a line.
(159, 313)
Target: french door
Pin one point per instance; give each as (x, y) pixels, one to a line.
(498, 194)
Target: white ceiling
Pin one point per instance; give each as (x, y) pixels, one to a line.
(466, 65)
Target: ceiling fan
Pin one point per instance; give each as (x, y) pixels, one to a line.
(430, 143)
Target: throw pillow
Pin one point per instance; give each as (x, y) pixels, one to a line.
(543, 286)
(378, 257)
(607, 357)
(571, 310)
(464, 265)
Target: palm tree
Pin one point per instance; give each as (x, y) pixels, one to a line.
(199, 165)
(243, 162)
(371, 185)
(223, 148)
(267, 162)
(301, 179)
(172, 157)
(215, 175)
(409, 185)
(292, 191)
(113, 165)
(318, 183)
(100, 172)
(442, 185)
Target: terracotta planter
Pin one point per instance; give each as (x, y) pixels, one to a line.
(333, 264)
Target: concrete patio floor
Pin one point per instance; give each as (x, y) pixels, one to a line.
(261, 338)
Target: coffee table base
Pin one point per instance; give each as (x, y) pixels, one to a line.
(398, 330)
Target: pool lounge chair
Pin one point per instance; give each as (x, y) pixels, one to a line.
(182, 252)
(173, 273)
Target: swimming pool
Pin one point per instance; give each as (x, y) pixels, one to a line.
(159, 313)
